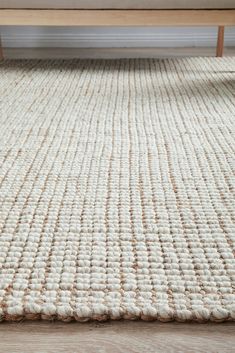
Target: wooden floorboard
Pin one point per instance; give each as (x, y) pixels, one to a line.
(110, 53)
(116, 337)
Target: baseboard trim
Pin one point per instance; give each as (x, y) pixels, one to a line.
(116, 38)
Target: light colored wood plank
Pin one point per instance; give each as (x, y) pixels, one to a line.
(220, 42)
(117, 17)
(117, 337)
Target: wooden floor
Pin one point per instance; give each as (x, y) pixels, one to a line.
(110, 53)
(116, 337)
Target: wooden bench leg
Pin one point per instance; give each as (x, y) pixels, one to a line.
(220, 42)
(1, 49)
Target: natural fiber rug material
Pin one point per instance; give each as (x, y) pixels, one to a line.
(117, 194)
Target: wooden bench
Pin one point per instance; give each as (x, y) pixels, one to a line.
(70, 17)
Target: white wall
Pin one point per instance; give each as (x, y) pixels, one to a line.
(91, 37)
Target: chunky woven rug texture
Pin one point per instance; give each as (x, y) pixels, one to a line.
(117, 191)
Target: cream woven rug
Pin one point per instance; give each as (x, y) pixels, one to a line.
(117, 194)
